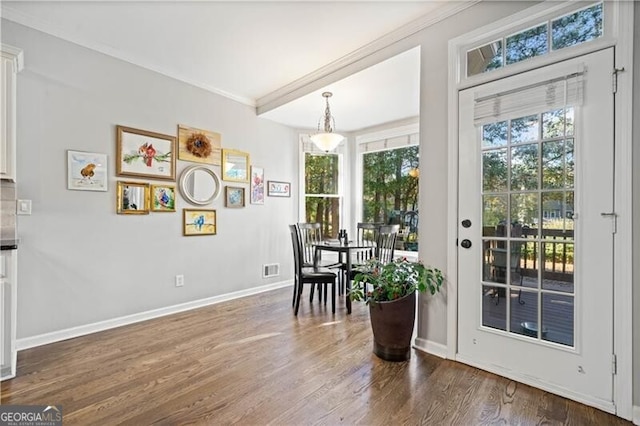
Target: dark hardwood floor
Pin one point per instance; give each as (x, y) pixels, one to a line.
(251, 361)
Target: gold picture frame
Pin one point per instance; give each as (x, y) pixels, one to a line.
(198, 222)
(235, 166)
(140, 153)
(163, 198)
(132, 198)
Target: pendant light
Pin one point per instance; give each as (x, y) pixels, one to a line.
(326, 140)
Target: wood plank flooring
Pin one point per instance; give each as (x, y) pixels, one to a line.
(252, 362)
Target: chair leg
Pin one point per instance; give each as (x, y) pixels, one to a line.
(325, 290)
(298, 296)
(295, 291)
(333, 297)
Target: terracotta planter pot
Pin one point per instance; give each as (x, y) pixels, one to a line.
(392, 323)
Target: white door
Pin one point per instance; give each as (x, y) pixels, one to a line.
(535, 228)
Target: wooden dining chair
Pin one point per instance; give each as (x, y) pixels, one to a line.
(313, 275)
(386, 243)
(310, 234)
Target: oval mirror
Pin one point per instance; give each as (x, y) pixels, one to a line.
(199, 185)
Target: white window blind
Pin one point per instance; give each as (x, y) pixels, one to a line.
(547, 95)
(390, 143)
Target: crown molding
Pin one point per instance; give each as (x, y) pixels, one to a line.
(69, 35)
(332, 71)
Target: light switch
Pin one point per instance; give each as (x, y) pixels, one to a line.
(24, 207)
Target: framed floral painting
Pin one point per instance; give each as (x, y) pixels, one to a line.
(140, 153)
(234, 196)
(257, 185)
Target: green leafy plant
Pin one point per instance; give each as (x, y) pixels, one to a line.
(391, 281)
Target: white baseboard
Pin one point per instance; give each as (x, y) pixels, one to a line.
(430, 347)
(69, 333)
(636, 415)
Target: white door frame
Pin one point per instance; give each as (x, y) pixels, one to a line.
(622, 39)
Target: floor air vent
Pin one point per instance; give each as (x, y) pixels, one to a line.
(270, 270)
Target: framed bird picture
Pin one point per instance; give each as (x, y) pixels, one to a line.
(86, 171)
(140, 153)
(163, 198)
(198, 222)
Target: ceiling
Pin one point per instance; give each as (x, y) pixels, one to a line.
(250, 50)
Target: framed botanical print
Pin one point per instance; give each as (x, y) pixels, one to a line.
(140, 153)
(278, 189)
(234, 196)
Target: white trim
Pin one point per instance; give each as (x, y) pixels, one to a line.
(394, 132)
(603, 405)
(623, 206)
(430, 347)
(636, 415)
(14, 53)
(623, 301)
(69, 35)
(357, 60)
(70, 333)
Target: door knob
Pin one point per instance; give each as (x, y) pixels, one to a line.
(465, 244)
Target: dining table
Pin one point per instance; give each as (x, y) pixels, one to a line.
(344, 250)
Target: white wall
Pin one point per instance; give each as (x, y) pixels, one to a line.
(79, 261)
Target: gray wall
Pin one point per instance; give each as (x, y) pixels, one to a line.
(80, 262)
(636, 207)
(432, 319)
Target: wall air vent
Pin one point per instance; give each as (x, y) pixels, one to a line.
(270, 270)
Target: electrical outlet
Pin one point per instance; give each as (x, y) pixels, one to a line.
(179, 280)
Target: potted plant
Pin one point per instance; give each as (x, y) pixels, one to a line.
(391, 296)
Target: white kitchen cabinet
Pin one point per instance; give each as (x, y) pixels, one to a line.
(8, 305)
(10, 66)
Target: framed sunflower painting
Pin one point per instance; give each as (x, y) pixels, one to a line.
(199, 146)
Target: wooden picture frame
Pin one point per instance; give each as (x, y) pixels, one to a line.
(132, 198)
(256, 190)
(278, 189)
(198, 222)
(140, 153)
(199, 146)
(163, 198)
(235, 165)
(234, 196)
(87, 171)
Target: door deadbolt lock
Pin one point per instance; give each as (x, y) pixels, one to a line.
(466, 223)
(465, 244)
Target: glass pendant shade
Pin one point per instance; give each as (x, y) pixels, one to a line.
(326, 140)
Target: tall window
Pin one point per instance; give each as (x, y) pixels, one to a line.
(390, 191)
(322, 192)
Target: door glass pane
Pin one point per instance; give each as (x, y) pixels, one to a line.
(525, 129)
(494, 213)
(570, 163)
(558, 269)
(524, 312)
(494, 170)
(557, 214)
(529, 264)
(557, 123)
(494, 134)
(524, 209)
(527, 44)
(494, 307)
(557, 318)
(524, 167)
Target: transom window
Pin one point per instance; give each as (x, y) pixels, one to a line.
(568, 30)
